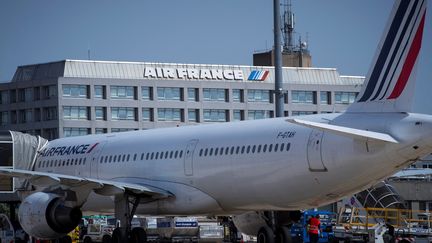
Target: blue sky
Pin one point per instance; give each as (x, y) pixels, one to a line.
(341, 33)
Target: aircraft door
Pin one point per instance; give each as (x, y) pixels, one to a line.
(94, 159)
(188, 158)
(314, 152)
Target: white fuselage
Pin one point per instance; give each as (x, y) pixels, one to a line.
(224, 168)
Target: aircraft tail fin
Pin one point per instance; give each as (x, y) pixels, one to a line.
(390, 83)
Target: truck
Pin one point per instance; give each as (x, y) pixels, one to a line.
(328, 221)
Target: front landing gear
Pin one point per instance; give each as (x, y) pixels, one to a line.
(125, 213)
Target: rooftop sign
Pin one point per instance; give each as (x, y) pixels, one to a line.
(193, 73)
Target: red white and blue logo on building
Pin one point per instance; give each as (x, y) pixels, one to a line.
(256, 75)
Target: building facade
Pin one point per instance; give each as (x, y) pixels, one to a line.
(76, 97)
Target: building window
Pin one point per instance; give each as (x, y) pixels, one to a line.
(75, 112)
(193, 94)
(238, 115)
(122, 129)
(100, 113)
(215, 115)
(147, 114)
(345, 97)
(4, 99)
(123, 113)
(122, 92)
(12, 96)
(258, 95)
(214, 95)
(28, 93)
(303, 97)
(28, 117)
(75, 131)
(147, 93)
(259, 114)
(75, 91)
(50, 133)
(50, 113)
(238, 95)
(21, 95)
(4, 117)
(325, 98)
(169, 114)
(169, 93)
(36, 93)
(100, 92)
(193, 115)
(302, 113)
(100, 130)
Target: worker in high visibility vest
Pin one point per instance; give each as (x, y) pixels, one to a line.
(314, 229)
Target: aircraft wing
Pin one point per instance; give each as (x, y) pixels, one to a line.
(102, 187)
(346, 131)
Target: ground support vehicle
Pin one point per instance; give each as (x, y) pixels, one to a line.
(328, 220)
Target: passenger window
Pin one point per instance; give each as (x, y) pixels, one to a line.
(226, 150)
(221, 151)
(101, 159)
(200, 152)
(211, 152)
(264, 148)
(216, 151)
(176, 154)
(67, 162)
(248, 149)
(206, 152)
(166, 154)
(161, 155)
(142, 156)
(152, 155)
(270, 147)
(237, 149)
(124, 157)
(64, 162)
(147, 156)
(243, 150)
(259, 149)
(276, 147)
(288, 146)
(253, 149)
(135, 157)
(181, 154)
(282, 147)
(115, 158)
(128, 157)
(110, 158)
(85, 159)
(172, 153)
(232, 150)
(157, 155)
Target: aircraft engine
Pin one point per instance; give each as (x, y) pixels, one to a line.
(45, 216)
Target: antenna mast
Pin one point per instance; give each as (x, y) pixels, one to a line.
(288, 27)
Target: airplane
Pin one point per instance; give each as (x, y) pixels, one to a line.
(260, 171)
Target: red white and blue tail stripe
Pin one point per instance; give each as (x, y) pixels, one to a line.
(389, 85)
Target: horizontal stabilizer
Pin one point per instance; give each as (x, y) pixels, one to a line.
(345, 131)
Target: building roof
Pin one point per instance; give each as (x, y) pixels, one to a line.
(137, 70)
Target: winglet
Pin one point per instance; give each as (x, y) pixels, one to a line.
(345, 131)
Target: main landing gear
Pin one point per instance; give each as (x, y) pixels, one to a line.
(277, 229)
(124, 213)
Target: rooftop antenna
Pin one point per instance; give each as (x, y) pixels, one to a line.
(288, 27)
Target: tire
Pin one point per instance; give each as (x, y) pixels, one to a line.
(87, 240)
(283, 235)
(65, 239)
(106, 239)
(138, 235)
(265, 235)
(118, 237)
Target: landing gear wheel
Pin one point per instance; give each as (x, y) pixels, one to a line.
(106, 239)
(138, 235)
(65, 239)
(283, 235)
(87, 240)
(118, 236)
(265, 235)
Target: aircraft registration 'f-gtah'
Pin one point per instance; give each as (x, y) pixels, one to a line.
(246, 168)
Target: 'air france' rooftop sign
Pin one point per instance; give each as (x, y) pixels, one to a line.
(193, 73)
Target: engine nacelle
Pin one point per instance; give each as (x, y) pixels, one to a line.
(45, 216)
